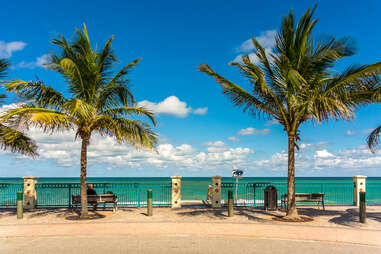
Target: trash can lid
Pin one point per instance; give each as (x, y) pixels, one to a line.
(270, 187)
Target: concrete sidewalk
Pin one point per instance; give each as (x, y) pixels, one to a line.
(150, 244)
(268, 231)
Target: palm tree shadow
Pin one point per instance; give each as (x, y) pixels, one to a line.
(45, 212)
(92, 215)
(346, 218)
(7, 212)
(221, 213)
(350, 217)
(249, 213)
(313, 212)
(208, 212)
(374, 216)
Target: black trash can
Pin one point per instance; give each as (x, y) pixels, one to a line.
(271, 198)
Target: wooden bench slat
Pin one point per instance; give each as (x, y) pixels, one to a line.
(305, 197)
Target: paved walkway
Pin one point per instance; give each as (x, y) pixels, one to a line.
(171, 244)
(194, 235)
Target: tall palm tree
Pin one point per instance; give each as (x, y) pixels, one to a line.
(100, 100)
(10, 137)
(296, 84)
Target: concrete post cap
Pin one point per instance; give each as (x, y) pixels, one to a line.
(30, 177)
(359, 177)
(175, 177)
(217, 177)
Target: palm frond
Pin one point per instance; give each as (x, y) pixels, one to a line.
(17, 142)
(42, 95)
(139, 111)
(47, 119)
(4, 64)
(133, 132)
(238, 95)
(373, 139)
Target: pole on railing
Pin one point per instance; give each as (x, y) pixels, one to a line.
(362, 212)
(230, 203)
(19, 205)
(69, 185)
(149, 202)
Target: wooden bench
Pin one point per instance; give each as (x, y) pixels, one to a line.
(97, 199)
(305, 197)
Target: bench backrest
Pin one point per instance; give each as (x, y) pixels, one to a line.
(300, 197)
(95, 198)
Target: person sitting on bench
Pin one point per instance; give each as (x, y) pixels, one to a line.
(91, 191)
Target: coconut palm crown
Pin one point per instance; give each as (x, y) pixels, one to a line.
(100, 101)
(11, 138)
(296, 84)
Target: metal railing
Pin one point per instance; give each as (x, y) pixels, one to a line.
(8, 194)
(252, 194)
(373, 193)
(134, 194)
(244, 194)
(129, 194)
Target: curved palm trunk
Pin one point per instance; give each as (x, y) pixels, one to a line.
(84, 210)
(291, 202)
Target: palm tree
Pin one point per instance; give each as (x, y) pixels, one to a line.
(10, 137)
(100, 100)
(296, 84)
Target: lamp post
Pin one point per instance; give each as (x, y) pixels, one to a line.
(236, 173)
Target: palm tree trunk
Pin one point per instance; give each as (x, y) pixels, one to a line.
(84, 210)
(291, 202)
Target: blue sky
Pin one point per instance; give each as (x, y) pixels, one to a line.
(201, 133)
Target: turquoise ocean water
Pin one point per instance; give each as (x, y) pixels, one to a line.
(196, 187)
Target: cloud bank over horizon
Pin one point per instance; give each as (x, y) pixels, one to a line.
(213, 156)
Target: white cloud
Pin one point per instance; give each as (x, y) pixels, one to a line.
(7, 49)
(40, 61)
(172, 106)
(350, 133)
(200, 111)
(234, 139)
(254, 131)
(323, 154)
(313, 147)
(271, 122)
(266, 39)
(215, 143)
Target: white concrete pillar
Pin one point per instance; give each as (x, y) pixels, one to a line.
(30, 194)
(176, 192)
(359, 185)
(216, 191)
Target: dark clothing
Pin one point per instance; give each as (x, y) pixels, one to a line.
(91, 192)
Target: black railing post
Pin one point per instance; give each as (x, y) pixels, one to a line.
(149, 202)
(230, 203)
(362, 212)
(20, 205)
